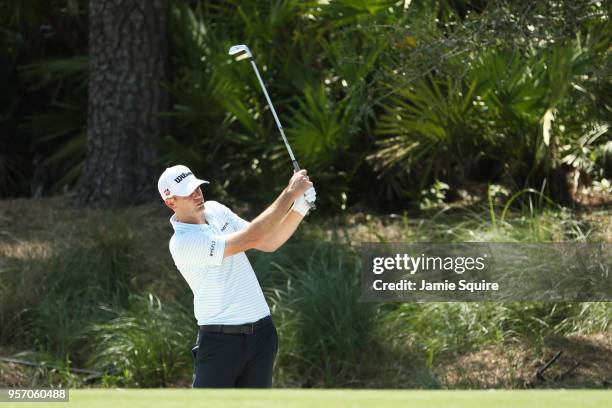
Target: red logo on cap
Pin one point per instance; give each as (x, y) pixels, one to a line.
(167, 191)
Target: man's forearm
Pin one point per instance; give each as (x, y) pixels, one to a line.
(266, 222)
(282, 232)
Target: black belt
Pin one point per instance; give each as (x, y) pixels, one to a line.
(247, 328)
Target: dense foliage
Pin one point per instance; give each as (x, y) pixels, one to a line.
(380, 99)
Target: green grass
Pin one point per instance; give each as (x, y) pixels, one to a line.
(338, 398)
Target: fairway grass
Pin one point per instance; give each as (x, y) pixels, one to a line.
(286, 398)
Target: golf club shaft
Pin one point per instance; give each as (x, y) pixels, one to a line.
(278, 124)
(296, 166)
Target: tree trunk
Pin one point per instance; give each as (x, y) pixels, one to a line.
(127, 62)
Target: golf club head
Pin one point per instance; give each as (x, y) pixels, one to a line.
(240, 51)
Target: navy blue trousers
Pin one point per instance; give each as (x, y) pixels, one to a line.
(235, 360)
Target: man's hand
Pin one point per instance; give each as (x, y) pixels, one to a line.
(298, 184)
(302, 204)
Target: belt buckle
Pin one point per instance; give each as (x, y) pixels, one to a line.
(248, 329)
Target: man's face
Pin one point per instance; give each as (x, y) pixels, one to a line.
(191, 204)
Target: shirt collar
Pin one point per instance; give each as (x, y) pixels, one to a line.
(182, 226)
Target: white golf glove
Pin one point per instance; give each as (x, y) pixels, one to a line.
(302, 204)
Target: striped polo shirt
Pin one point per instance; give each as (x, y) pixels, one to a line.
(225, 290)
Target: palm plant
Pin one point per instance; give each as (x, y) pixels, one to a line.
(430, 130)
(520, 104)
(59, 133)
(219, 107)
(37, 36)
(216, 112)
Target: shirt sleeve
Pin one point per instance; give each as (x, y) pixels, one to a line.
(197, 249)
(238, 223)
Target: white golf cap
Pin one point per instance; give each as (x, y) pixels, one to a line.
(178, 181)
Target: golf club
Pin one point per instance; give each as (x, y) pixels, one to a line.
(243, 52)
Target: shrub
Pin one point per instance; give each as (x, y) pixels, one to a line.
(146, 345)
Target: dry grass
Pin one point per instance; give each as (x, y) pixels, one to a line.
(31, 230)
(13, 376)
(586, 362)
(23, 250)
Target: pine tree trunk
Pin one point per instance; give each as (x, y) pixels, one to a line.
(127, 62)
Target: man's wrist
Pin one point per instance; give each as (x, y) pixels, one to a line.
(302, 215)
(301, 206)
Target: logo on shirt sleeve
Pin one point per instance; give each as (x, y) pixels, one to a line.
(212, 248)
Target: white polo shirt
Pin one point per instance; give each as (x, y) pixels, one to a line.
(225, 290)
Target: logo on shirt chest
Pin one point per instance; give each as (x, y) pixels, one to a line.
(224, 226)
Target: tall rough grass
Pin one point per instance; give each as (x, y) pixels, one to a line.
(78, 305)
(146, 345)
(327, 334)
(55, 298)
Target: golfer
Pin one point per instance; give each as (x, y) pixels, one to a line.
(237, 340)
